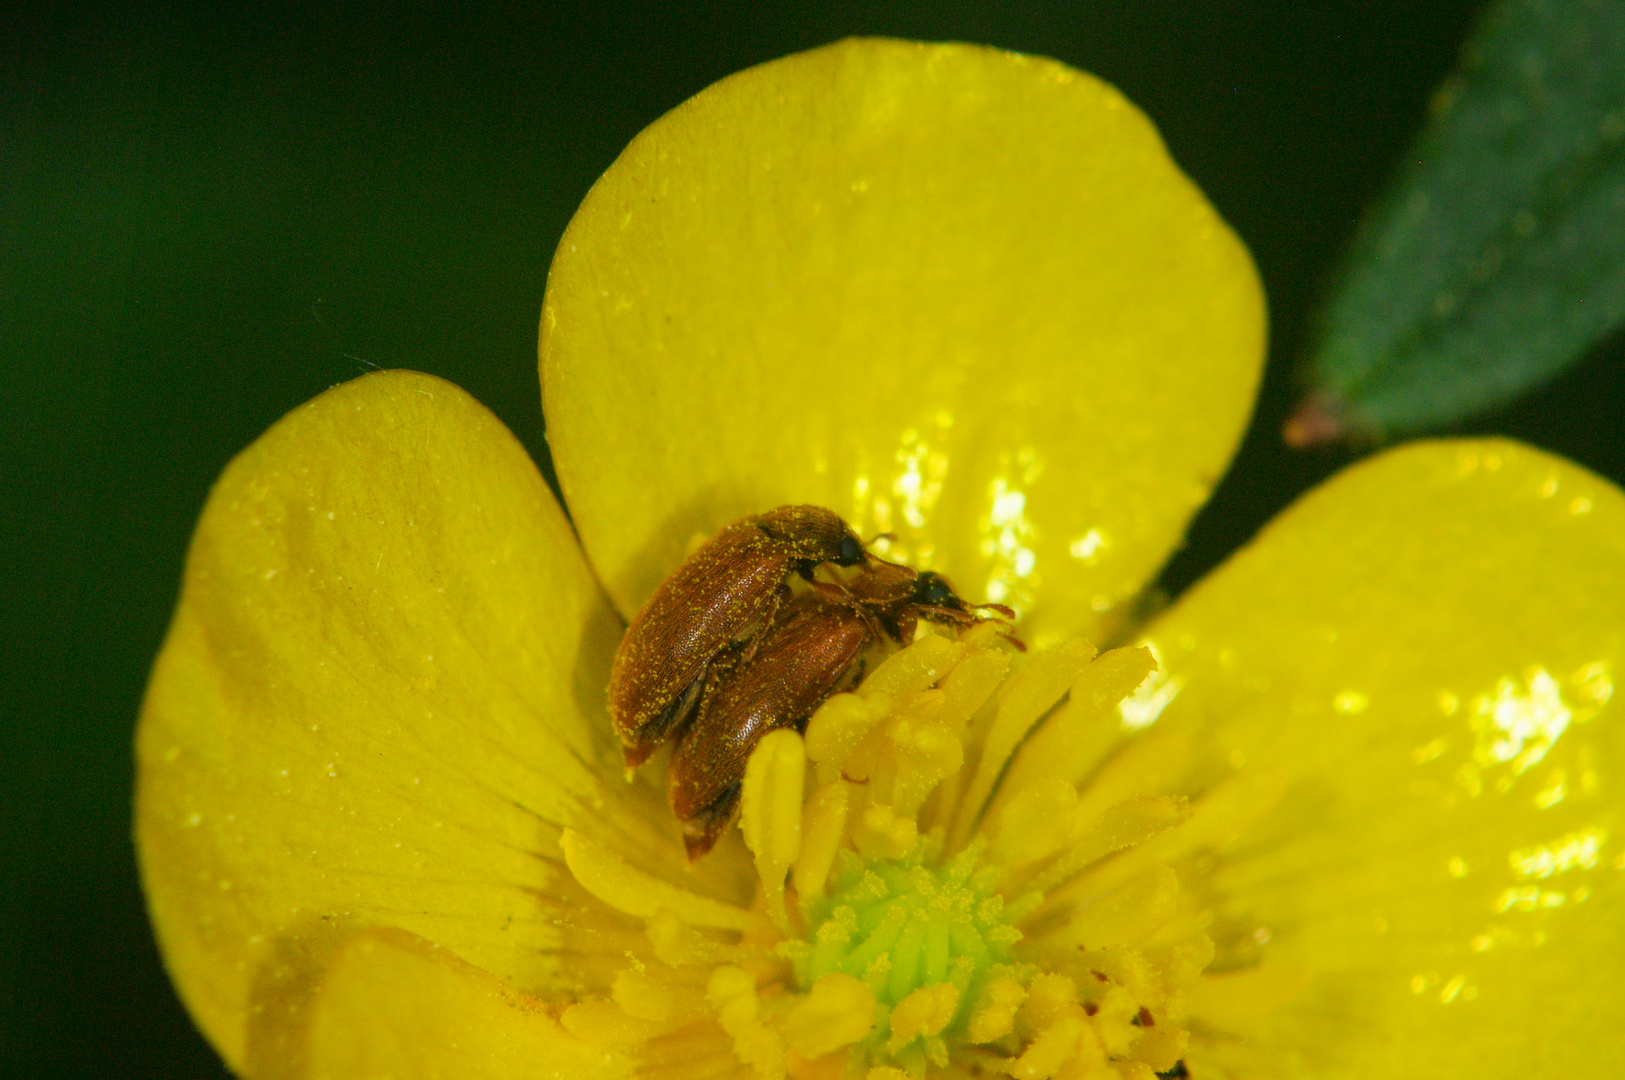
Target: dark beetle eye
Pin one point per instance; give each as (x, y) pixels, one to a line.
(850, 553)
(933, 590)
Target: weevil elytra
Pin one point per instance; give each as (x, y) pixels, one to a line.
(714, 603)
(809, 653)
(815, 649)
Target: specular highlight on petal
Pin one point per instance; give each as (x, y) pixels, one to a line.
(953, 293)
(1425, 650)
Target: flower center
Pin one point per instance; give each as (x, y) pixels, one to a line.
(912, 933)
(898, 925)
(946, 884)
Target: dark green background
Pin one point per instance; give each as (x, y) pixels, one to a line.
(206, 220)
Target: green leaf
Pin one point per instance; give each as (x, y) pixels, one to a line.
(1498, 256)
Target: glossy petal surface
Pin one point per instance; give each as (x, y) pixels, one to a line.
(1427, 648)
(380, 699)
(955, 293)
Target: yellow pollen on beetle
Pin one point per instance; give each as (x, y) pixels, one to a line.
(962, 868)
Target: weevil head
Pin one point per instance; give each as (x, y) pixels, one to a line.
(932, 590)
(934, 599)
(850, 551)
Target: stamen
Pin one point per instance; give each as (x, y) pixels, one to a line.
(968, 894)
(732, 991)
(995, 1015)
(1074, 741)
(636, 893)
(770, 813)
(1132, 821)
(837, 1011)
(1025, 698)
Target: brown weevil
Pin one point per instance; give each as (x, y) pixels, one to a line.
(715, 603)
(807, 655)
(814, 650)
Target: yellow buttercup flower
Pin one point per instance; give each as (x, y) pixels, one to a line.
(1350, 808)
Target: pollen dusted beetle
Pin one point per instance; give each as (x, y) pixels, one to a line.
(713, 606)
(815, 649)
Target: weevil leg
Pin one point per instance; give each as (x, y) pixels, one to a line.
(854, 675)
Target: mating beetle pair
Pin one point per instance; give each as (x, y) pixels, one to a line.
(723, 653)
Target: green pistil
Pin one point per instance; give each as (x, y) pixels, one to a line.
(902, 924)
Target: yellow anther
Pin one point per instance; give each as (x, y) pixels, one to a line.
(995, 1014)
(839, 1010)
(881, 833)
(1089, 1061)
(676, 943)
(1047, 996)
(1072, 742)
(926, 752)
(914, 669)
(1152, 762)
(970, 684)
(1096, 835)
(838, 726)
(770, 812)
(1114, 1021)
(924, 1012)
(611, 880)
(1137, 819)
(1035, 822)
(1127, 968)
(729, 984)
(1055, 1045)
(918, 707)
(1179, 965)
(1023, 699)
(732, 991)
(650, 998)
(823, 825)
(1160, 1047)
(1220, 814)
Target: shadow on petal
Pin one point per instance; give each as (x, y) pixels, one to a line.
(338, 1004)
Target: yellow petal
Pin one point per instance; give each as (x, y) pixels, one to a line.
(393, 1007)
(1427, 646)
(955, 293)
(379, 701)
